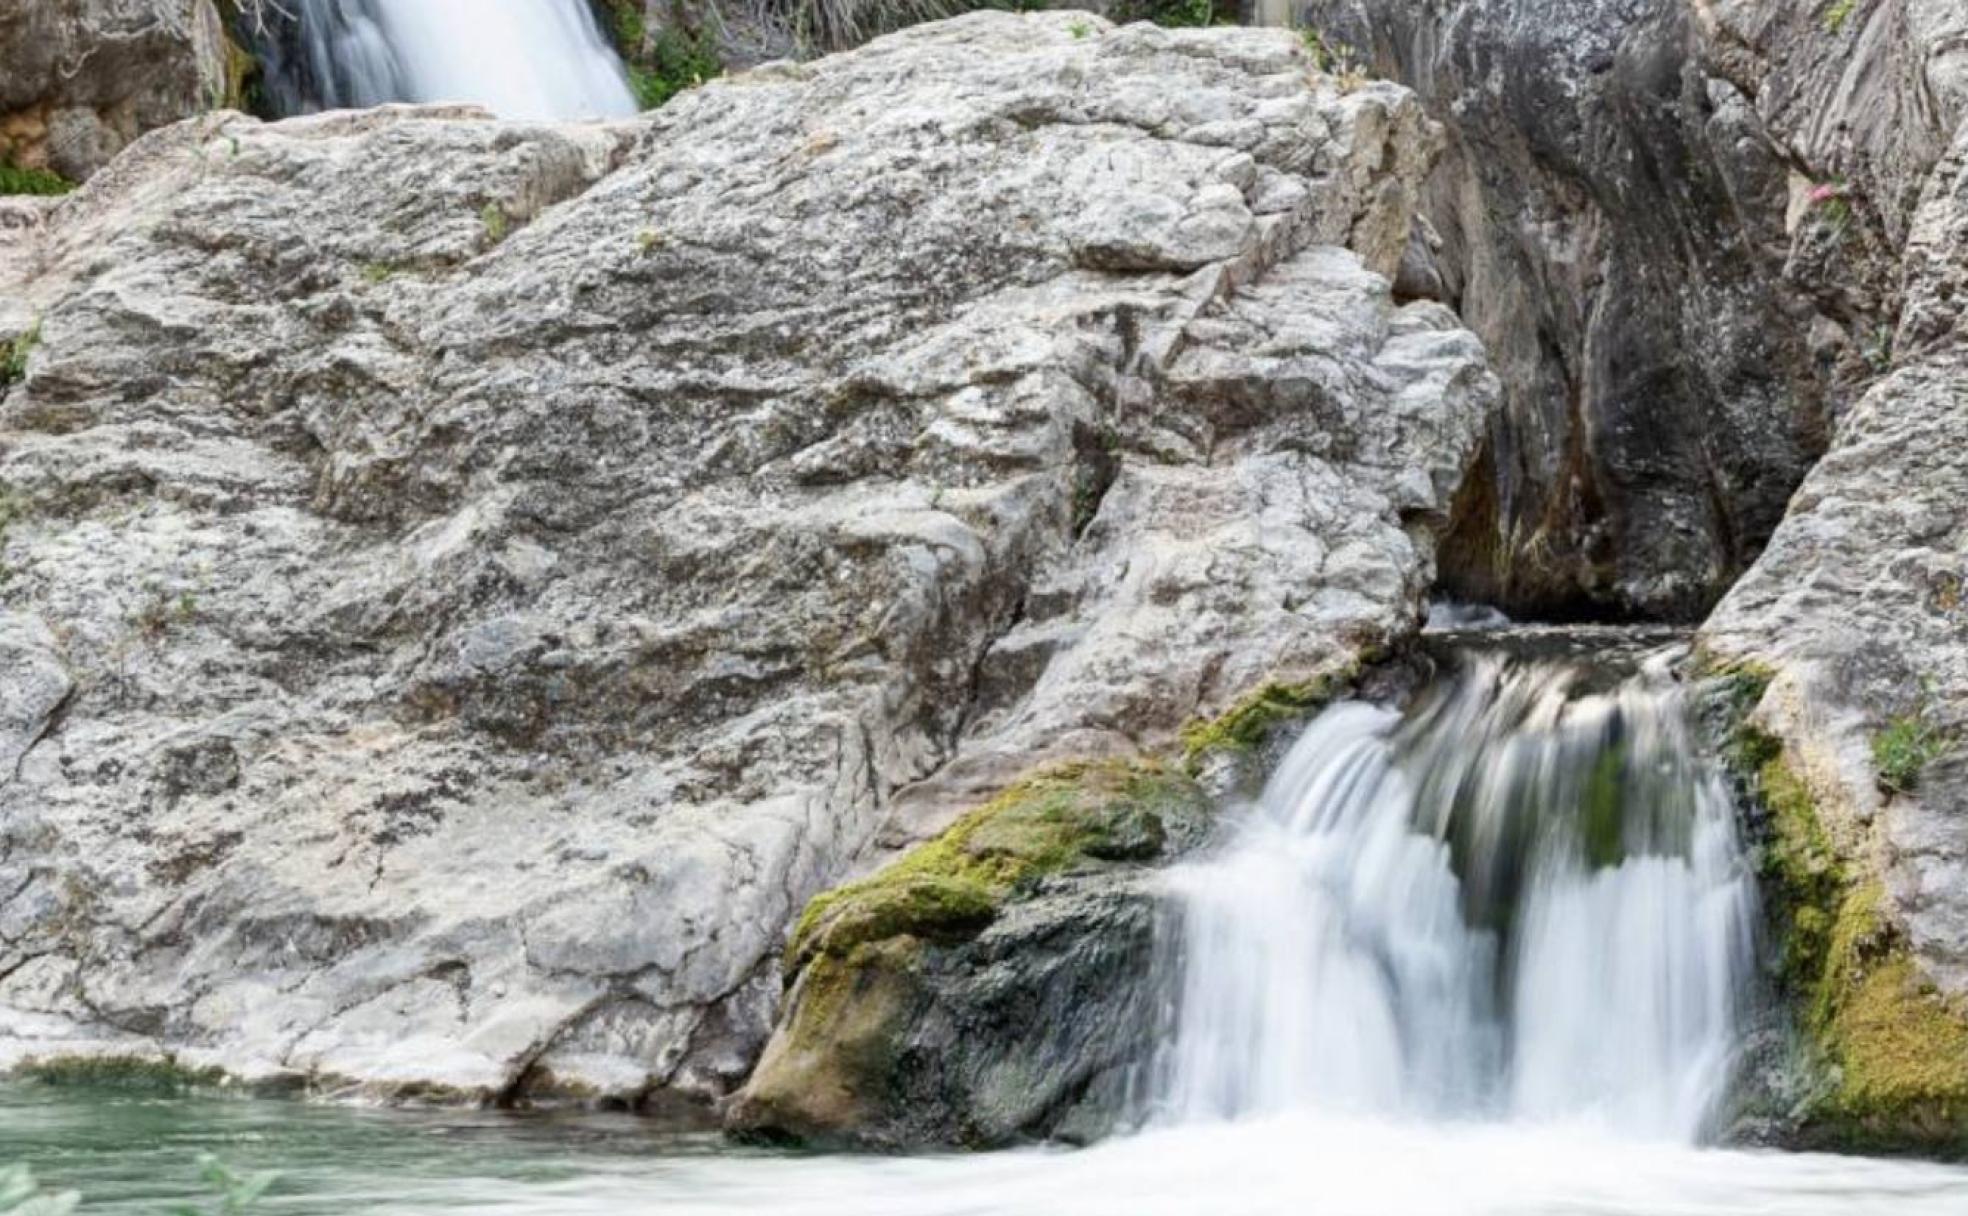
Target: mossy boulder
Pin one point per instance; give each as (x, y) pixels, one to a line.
(993, 984)
(1879, 1058)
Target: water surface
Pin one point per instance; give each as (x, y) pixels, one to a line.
(133, 1154)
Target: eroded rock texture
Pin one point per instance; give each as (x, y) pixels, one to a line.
(469, 583)
(1857, 614)
(1675, 224)
(79, 79)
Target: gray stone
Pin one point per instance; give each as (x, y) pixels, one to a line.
(1625, 219)
(501, 571)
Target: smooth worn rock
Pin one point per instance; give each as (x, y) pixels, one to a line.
(1675, 225)
(472, 582)
(79, 79)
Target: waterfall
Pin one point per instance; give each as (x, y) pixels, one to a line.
(518, 58)
(1525, 900)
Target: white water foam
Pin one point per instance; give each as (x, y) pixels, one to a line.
(536, 59)
(1524, 903)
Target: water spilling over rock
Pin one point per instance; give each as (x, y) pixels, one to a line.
(1525, 899)
(535, 59)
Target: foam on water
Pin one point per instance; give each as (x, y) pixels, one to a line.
(1524, 901)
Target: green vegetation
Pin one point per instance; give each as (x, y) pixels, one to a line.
(1183, 13)
(135, 1073)
(662, 66)
(495, 221)
(13, 356)
(1907, 745)
(1079, 29)
(1247, 724)
(233, 1194)
(953, 885)
(16, 180)
(1838, 14)
(1892, 1052)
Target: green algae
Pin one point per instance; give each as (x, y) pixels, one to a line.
(142, 1074)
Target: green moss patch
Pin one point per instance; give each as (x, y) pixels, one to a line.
(1246, 725)
(950, 887)
(136, 1073)
(1892, 1050)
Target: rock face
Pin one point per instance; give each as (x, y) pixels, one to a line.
(999, 983)
(1674, 223)
(1857, 619)
(468, 584)
(79, 79)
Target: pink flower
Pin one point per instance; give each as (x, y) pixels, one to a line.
(1826, 191)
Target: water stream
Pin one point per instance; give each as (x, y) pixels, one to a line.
(1482, 958)
(543, 59)
(1523, 900)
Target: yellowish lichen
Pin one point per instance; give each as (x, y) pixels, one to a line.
(1894, 1051)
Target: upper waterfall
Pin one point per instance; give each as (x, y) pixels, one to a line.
(1525, 900)
(519, 58)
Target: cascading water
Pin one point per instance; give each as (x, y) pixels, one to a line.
(518, 58)
(1525, 900)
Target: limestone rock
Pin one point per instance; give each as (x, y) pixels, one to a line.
(474, 581)
(1858, 608)
(1675, 225)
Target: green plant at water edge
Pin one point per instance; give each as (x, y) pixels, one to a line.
(1838, 14)
(1908, 744)
(661, 67)
(672, 64)
(21, 1195)
(236, 1193)
(16, 180)
(1247, 724)
(1890, 1053)
(13, 356)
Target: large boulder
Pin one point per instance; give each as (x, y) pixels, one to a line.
(79, 79)
(469, 583)
(1852, 631)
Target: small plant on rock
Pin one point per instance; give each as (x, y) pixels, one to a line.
(493, 218)
(13, 355)
(1832, 201)
(1908, 745)
(16, 180)
(1079, 29)
(1838, 14)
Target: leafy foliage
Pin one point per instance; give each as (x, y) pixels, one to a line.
(13, 356)
(16, 180)
(1904, 748)
(662, 66)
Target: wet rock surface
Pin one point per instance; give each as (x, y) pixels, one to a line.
(1676, 227)
(469, 583)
